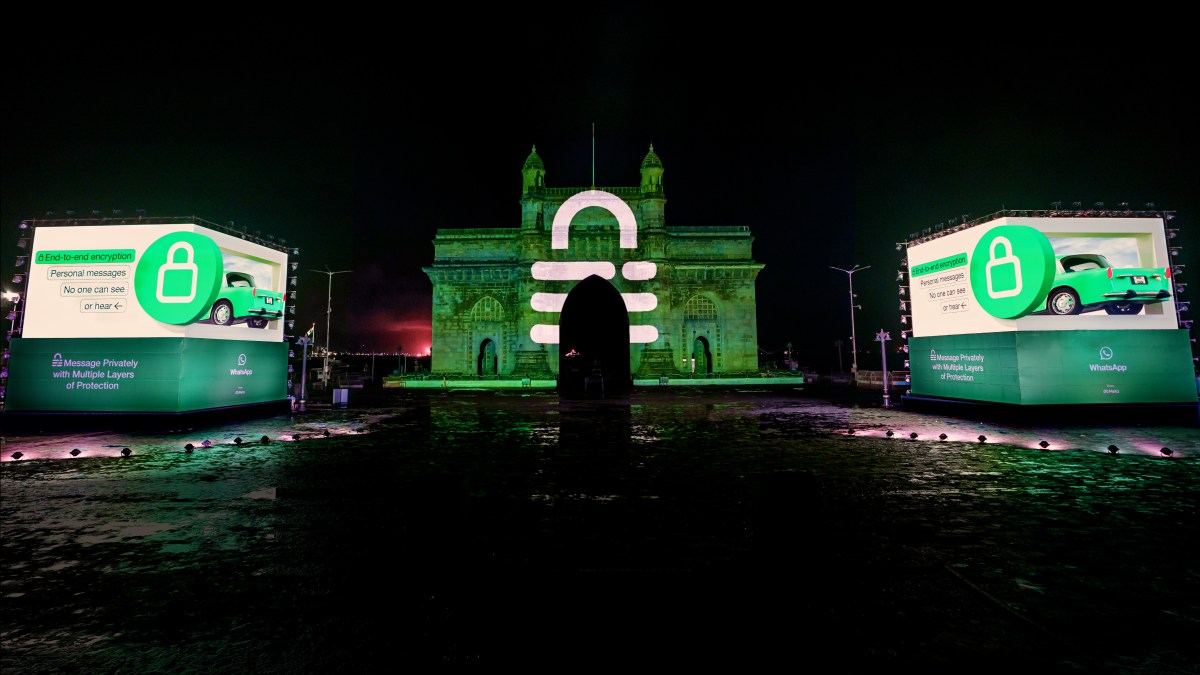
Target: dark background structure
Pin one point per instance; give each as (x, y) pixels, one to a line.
(356, 147)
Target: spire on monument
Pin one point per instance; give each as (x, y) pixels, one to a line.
(533, 161)
(533, 173)
(651, 159)
(652, 172)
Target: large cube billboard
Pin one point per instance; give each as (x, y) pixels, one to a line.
(1048, 310)
(149, 318)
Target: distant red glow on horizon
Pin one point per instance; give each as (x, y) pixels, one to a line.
(384, 331)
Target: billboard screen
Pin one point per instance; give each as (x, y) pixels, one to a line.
(1043, 274)
(153, 280)
(149, 318)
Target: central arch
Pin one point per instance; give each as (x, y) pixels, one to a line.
(594, 340)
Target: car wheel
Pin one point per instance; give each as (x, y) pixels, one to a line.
(222, 313)
(257, 323)
(1124, 308)
(1063, 301)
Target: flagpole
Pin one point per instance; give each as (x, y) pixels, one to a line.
(593, 155)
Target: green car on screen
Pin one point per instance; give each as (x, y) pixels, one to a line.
(1087, 282)
(240, 301)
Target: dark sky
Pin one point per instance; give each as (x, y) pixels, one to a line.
(356, 148)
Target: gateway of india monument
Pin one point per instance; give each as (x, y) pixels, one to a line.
(594, 283)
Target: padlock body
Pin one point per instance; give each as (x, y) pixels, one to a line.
(1001, 277)
(177, 282)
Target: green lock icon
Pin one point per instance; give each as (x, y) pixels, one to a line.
(1009, 270)
(177, 279)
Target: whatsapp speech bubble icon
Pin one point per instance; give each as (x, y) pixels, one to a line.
(178, 277)
(1012, 269)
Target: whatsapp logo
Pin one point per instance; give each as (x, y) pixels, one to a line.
(1012, 269)
(178, 277)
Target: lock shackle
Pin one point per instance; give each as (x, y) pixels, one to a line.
(996, 243)
(190, 252)
(626, 221)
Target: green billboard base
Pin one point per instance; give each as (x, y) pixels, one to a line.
(1056, 372)
(144, 376)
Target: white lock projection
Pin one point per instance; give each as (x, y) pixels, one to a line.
(578, 270)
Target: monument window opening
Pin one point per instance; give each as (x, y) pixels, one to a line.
(700, 308)
(487, 309)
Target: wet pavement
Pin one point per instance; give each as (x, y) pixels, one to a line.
(746, 528)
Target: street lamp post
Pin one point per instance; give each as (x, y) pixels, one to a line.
(882, 337)
(328, 315)
(304, 340)
(853, 340)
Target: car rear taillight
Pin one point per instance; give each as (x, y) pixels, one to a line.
(1110, 273)
(285, 297)
(254, 293)
(1167, 272)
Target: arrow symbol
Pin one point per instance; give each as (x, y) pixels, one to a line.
(117, 305)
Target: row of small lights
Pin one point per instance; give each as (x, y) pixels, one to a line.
(265, 440)
(1112, 449)
(187, 448)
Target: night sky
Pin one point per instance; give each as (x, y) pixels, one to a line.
(355, 149)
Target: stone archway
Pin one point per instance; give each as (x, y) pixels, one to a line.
(486, 362)
(702, 355)
(593, 344)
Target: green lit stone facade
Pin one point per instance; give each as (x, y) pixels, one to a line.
(492, 315)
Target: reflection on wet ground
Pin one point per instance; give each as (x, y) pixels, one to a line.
(679, 528)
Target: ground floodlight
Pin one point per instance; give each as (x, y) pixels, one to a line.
(913, 435)
(982, 438)
(889, 433)
(17, 455)
(189, 447)
(237, 441)
(1166, 452)
(1112, 449)
(75, 452)
(264, 440)
(1044, 444)
(125, 452)
(942, 436)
